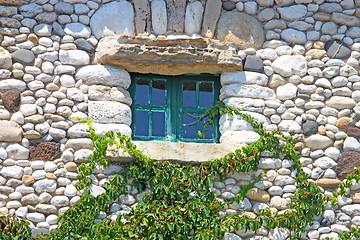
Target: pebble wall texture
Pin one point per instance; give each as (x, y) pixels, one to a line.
(301, 76)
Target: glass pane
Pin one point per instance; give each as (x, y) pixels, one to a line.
(189, 126)
(189, 94)
(158, 92)
(158, 124)
(209, 132)
(142, 91)
(142, 123)
(206, 95)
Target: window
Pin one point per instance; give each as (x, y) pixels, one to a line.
(167, 108)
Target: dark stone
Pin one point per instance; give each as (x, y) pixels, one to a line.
(346, 164)
(58, 30)
(176, 15)
(11, 100)
(23, 56)
(63, 8)
(304, 96)
(228, 5)
(353, 132)
(45, 151)
(309, 127)
(82, 44)
(254, 64)
(337, 49)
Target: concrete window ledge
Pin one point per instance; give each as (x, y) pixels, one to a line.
(176, 151)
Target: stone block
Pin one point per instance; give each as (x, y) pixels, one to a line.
(10, 131)
(109, 112)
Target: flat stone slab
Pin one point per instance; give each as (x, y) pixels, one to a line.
(175, 151)
(173, 56)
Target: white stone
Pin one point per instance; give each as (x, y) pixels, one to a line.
(104, 75)
(77, 30)
(269, 163)
(70, 191)
(12, 172)
(247, 91)
(243, 77)
(60, 201)
(45, 185)
(289, 126)
(287, 91)
(114, 18)
(67, 81)
(96, 190)
(16, 151)
(351, 144)
(35, 217)
(193, 17)
(333, 153)
(279, 234)
(288, 65)
(74, 57)
(238, 137)
(325, 163)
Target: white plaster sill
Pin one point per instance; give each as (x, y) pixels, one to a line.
(176, 151)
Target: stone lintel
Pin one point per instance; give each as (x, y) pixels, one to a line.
(166, 56)
(176, 151)
(13, 2)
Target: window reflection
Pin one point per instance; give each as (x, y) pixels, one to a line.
(158, 124)
(189, 94)
(158, 92)
(206, 95)
(142, 91)
(142, 123)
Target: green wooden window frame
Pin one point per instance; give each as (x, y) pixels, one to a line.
(154, 105)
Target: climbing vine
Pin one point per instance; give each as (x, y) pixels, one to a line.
(177, 200)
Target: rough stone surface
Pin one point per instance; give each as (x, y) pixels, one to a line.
(318, 142)
(113, 18)
(241, 29)
(109, 112)
(176, 15)
(337, 49)
(193, 17)
(254, 64)
(11, 100)
(5, 59)
(45, 151)
(159, 16)
(346, 164)
(143, 55)
(142, 16)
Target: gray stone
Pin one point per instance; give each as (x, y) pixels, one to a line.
(310, 127)
(43, 30)
(229, 5)
(109, 112)
(35, 217)
(344, 19)
(293, 36)
(113, 18)
(10, 131)
(241, 29)
(105, 75)
(63, 8)
(23, 56)
(9, 22)
(337, 49)
(77, 30)
(193, 17)
(352, 210)
(254, 64)
(288, 65)
(46, 17)
(176, 15)
(31, 10)
(293, 13)
(58, 29)
(82, 44)
(159, 16)
(7, 11)
(211, 17)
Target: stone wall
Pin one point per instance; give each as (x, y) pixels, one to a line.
(300, 62)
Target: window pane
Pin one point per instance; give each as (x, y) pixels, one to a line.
(158, 124)
(209, 132)
(206, 95)
(142, 91)
(142, 123)
(189, 126)
(158, 92)
(189, 94)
